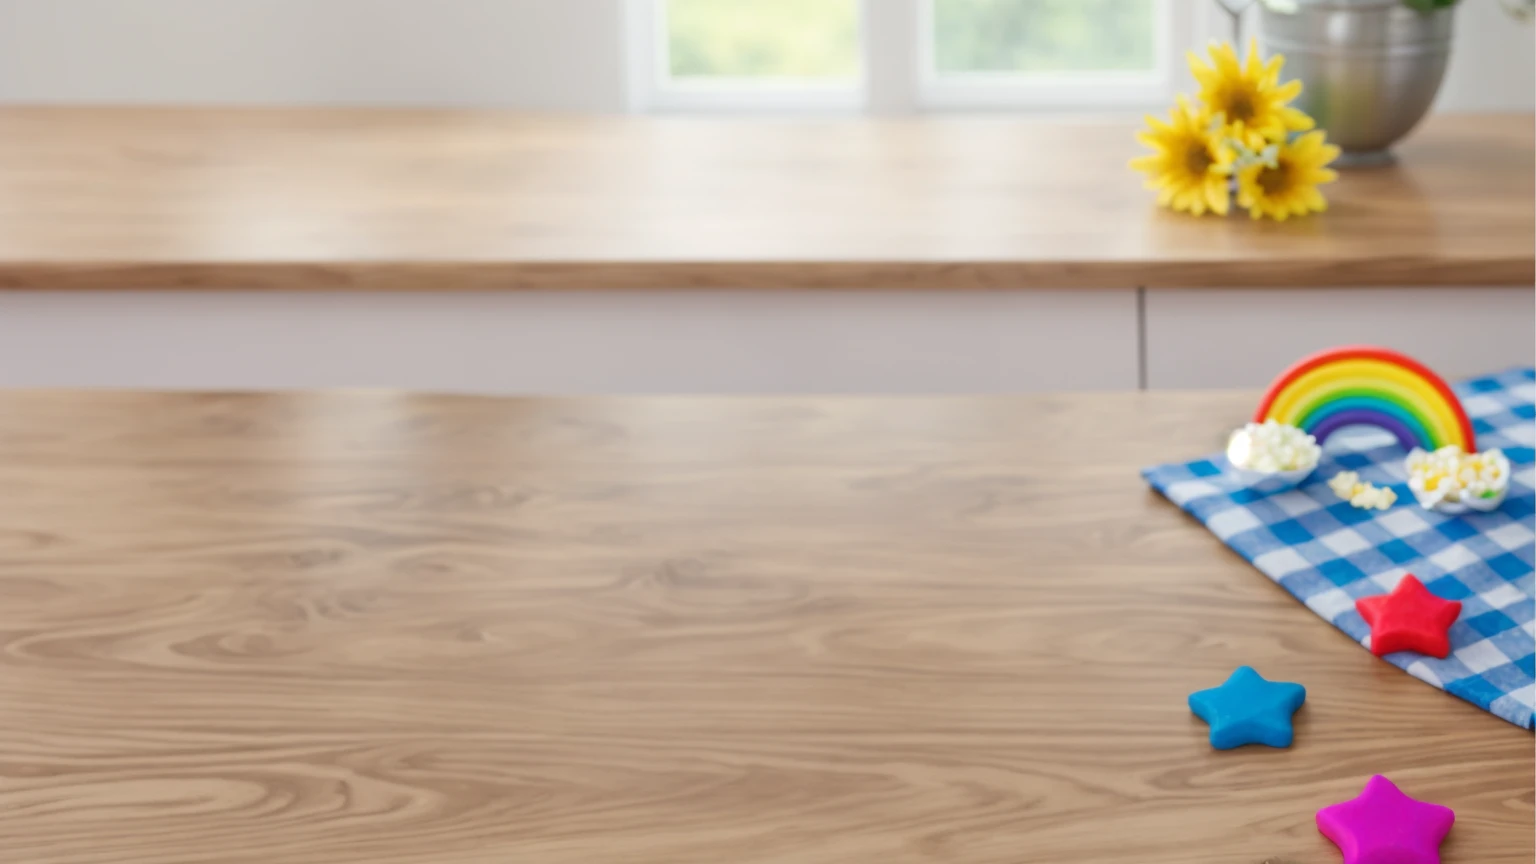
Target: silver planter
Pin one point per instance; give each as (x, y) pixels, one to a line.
(1369, 68)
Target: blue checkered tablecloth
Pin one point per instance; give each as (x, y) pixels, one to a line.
(1328, 554)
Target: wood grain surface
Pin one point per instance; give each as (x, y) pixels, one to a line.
(394, 629)
(376, 199)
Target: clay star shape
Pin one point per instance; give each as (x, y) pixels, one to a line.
(1249, 710)
(1384, 826)
(1409, 619)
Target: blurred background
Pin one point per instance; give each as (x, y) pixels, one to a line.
(110, 153)
(597, 55)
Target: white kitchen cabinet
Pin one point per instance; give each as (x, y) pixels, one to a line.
(1244, 337)
(699, 341)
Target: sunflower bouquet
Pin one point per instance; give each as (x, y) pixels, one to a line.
(1240, 137)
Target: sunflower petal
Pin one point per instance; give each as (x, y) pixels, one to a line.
(1295, 119)
(1216, 195)
(1271, 71)
(1305, 147)
(1271, 129)
(1253, 65)
(1204, 74)
(1226, 61)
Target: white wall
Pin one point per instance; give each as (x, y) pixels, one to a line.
(1493, 62)
(526, 54)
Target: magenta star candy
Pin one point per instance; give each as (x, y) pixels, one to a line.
(1384, 826)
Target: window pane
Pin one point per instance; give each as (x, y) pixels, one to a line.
(1044, 35)
(817, 39)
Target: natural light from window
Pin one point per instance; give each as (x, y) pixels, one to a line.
(811, 40)
(915, 54)
(1043, 36)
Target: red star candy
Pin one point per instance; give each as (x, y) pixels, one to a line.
(1409, 619)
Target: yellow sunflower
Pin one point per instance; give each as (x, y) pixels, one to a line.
(1249, 96)
(1288, 185)
(1191, 164)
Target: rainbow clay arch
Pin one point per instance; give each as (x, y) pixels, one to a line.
(1365, 385)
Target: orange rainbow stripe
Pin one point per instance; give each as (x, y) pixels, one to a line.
(1362, 385)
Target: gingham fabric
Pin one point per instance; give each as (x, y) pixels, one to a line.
(1328, 554)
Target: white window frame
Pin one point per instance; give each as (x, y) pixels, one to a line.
(897, 72)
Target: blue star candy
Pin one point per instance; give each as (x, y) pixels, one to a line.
(1249, 710)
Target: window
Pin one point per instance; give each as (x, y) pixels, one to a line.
(1008, 37)
(784, 40)
(1045, 53)
(749, 53)
(903, 54)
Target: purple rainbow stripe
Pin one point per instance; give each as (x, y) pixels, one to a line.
(1365, 417)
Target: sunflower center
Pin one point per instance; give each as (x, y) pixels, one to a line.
(1198, 158)
(1240, 107)
(1275, 180)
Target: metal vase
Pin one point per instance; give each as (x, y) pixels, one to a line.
(1369, 68)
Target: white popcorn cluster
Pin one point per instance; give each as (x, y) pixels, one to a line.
(1271, 447)
(1366, 496)
(1449, 476)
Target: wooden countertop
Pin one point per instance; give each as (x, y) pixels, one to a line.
(394, 629)
(376, 199)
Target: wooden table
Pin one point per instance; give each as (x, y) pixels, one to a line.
(374, 199)
(384, 628)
